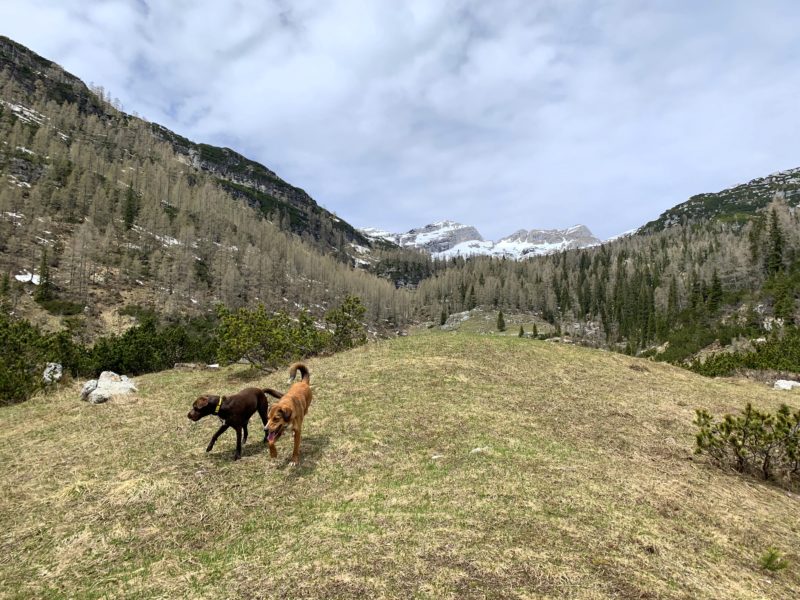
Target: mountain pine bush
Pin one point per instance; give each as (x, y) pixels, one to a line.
(754, 442)
(347, 324)
(267, 340)
(781, 352)
(23, 360)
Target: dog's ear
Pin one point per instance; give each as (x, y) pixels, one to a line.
(286, 413)
(201, 402)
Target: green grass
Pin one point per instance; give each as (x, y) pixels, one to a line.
(485, 321)
(445, 465)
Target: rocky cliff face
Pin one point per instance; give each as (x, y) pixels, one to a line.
(433, 238)
(28, 69)
(544, 241)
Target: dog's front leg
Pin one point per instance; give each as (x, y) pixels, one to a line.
(273, 451)
(214, 437)
(238, 454)
(296, 453)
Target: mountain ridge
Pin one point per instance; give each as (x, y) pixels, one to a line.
(289, 206)
(449, 239)
(735, 204)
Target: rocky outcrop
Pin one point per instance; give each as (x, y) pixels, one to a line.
(107, 386)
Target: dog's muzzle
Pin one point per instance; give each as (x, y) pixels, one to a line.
(273, 435)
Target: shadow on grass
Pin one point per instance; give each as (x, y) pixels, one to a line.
(226, 444)
(312, 448)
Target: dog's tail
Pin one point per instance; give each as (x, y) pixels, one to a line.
(303, 371)
(273, 393)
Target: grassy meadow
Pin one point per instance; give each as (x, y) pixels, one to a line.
(441, 465)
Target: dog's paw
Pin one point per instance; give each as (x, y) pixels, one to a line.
(237, 456)
(209, 448)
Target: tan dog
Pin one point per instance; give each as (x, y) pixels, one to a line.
(289, 411)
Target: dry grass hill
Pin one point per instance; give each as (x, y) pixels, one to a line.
(441, 465)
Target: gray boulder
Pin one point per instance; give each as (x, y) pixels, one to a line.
(53, 373)
(108, 385)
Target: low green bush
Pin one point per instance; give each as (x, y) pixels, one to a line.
(772, 560)
(346, 323)
(781, 352)
(23, 360)
(61, 307)
(272, 339)
(754, 442)
(267, 340)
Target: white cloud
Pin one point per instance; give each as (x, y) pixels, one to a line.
(503, 115)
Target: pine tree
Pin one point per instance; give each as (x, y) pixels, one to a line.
(472, 300)
(535, 332)
(521, 332)
(5, 293)
(672, 301)
(131, 208)
(501, 322)
(715, 294)
(443, 317)
(45, 290)
(775, 244)
(784, 298)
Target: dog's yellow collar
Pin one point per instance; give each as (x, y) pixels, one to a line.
(219, 404)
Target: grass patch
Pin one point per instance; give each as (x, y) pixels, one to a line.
(442, 465)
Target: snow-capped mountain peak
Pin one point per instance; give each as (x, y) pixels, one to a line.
(446, 239)
(433, 238)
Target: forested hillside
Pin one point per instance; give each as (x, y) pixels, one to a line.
(122, 218)
(689, 283)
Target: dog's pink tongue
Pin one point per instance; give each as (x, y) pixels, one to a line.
(271, 436)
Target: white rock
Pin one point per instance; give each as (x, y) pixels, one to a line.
(88, 388)
(108, 385)
(52, 373)
(479, 450)
(108, 377)
(785, 384)
(99, 396)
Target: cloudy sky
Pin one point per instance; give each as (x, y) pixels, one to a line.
(504, 114)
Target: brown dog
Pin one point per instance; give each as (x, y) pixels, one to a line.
(234, 411)
(289, 411)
